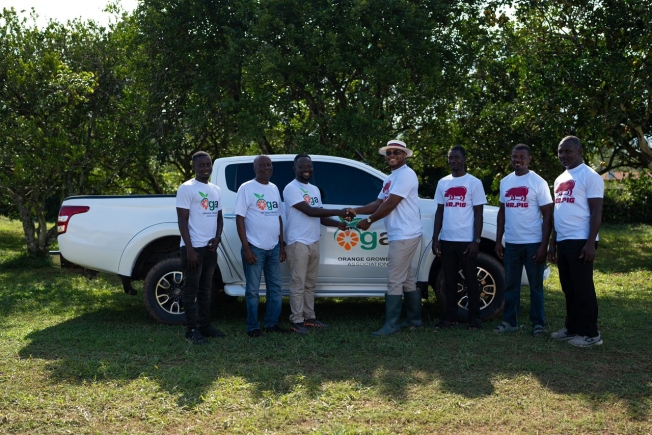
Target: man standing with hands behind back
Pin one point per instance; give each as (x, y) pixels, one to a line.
(199, 212)
(578, 214)
(398, 204)
(456, 236)
(525, 219)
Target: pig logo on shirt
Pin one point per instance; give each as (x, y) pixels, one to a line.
(564, 192)
(386, 190)
(517, 192)
(453, 192)
(565, 188)
(517, 196)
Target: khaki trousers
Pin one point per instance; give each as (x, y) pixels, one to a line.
(399, 270)
(303, 261)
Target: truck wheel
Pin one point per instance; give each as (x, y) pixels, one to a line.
(491, 276)
(162, 292)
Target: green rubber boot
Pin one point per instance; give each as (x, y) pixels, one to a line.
(412, 310)
(393, 305)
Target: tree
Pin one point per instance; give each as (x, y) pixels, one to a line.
(286, 76)
(557, 68)
(59, 107)
(347, 76)
(192, 66)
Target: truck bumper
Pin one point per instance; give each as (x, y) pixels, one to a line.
(60, 261)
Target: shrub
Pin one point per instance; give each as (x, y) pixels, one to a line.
(628, 201)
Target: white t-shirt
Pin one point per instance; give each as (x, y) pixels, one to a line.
(204, 201)
(522, 196)
(573, 188)
(459, 195)
(300, 227)
(260, 205)
(404, 222)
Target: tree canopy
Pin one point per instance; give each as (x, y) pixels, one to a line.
(86, 109)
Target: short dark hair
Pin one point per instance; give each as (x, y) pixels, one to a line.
(522, 146)
(459, 148)
(574, 140)
(300, 156)
(199, 154)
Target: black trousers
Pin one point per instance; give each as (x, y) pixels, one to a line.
(576, 278)
(452, 260)
(196, 292)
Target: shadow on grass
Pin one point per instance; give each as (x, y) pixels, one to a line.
(123, 344)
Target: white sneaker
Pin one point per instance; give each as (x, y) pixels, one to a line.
(583, 341)
(562, 334)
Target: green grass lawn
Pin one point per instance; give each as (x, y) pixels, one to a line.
(80, 356)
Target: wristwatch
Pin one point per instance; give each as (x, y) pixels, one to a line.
(477, 241)
(369, 220)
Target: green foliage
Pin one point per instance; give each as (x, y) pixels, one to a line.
(629, 201)
(85, 109)
(554, 68)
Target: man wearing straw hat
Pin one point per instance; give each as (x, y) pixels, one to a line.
(397, 203)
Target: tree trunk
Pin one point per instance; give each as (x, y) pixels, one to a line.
(37, 243)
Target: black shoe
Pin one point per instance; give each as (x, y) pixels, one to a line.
(195, 337)
(474, 325)
(299, 328)
(445, 324)
(254, 333)
(276, 328)
(211, 331)
(314, 323)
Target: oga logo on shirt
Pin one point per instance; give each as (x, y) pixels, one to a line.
(263, 204)
(307, 198)
(206, 203)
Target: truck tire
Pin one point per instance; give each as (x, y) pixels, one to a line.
(491, 276)
(162, 292)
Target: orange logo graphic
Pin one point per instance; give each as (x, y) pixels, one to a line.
(348, 239)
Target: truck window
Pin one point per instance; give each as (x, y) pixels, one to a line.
(339, 184)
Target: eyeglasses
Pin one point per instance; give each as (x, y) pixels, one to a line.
(393, 152)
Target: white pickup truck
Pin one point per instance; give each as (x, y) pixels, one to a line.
(137, 238)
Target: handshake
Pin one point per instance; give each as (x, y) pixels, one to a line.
(347, 214)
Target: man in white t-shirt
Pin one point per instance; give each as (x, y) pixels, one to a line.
(456, 236)
(260, 228)
(199, 211)
(525, 219)
(577, 215)
(303, 219)
(398, 204)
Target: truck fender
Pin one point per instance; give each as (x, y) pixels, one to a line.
(140, 241)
